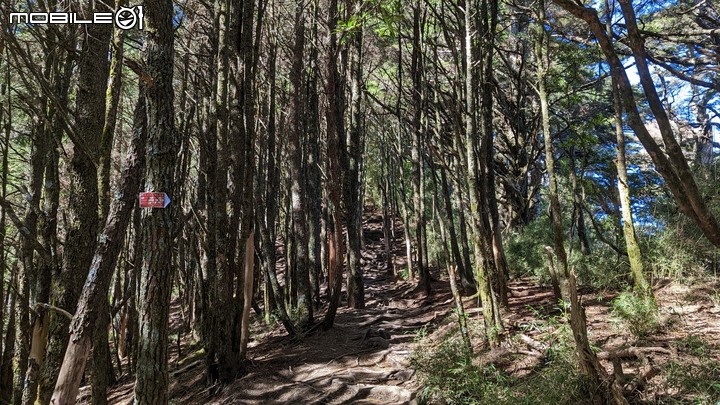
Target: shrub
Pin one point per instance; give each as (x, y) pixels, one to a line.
(524, 250)
(602, 268)
(559, 382)
(449, 375)
(699, 380)
(638, 314)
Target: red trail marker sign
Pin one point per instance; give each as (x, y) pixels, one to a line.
(154, 200)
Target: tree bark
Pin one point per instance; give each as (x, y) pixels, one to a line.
(578, 212)
(158, 224)
(334, 130)
(631, 241)
(111, 112)
(7, 393)
(83, 204)
(353, 197)
(297, 188)
(477, 182)
(416, 73)
(93, 299)
(541, 49)
(8, 338)
(314, 190)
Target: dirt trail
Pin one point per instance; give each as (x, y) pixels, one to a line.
(363, 359)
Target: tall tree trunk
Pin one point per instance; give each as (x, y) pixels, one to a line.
(488, 25)
(92, 307)
(3, 193)
(468, 277)
(7, 393)
(482, 239)
(207, 184)
(249, 267)
(416, 73)
(578, 212)
(388, 212)
(335, 132)
(39, 271)
(102, 370)
(314, 191)
(541, 50)
(631, 241)
(7, 339)
(297, 188)
(223, 311)
(268, 225)
(111, 112)
(152, 380)
(588, 362)
(400, 159)
(22, 336)
(83, 204)
(465, 281)
(353, 197)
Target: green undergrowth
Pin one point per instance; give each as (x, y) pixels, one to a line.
(636, 313)
(691, 381)
(694, 377)
(525, 253)
(449, 375)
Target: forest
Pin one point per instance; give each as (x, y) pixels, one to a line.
(359, 202)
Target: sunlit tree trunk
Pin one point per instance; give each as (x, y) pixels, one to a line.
(631, 241)
(587, 360)
(541, 50)
(475, 174)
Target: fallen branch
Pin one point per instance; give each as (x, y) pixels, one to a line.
(631, 352)
(533, 343)
(639, 382)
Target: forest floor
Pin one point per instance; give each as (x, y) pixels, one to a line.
(365, 357)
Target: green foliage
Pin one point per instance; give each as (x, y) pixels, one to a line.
(638, 314)
(559, 382)
(694, 345)
(449, 375)
(678, 249)
(674, 254)
(524, 250)
(697, 379)
(602, 268)
(526, 257)
(382, 16)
